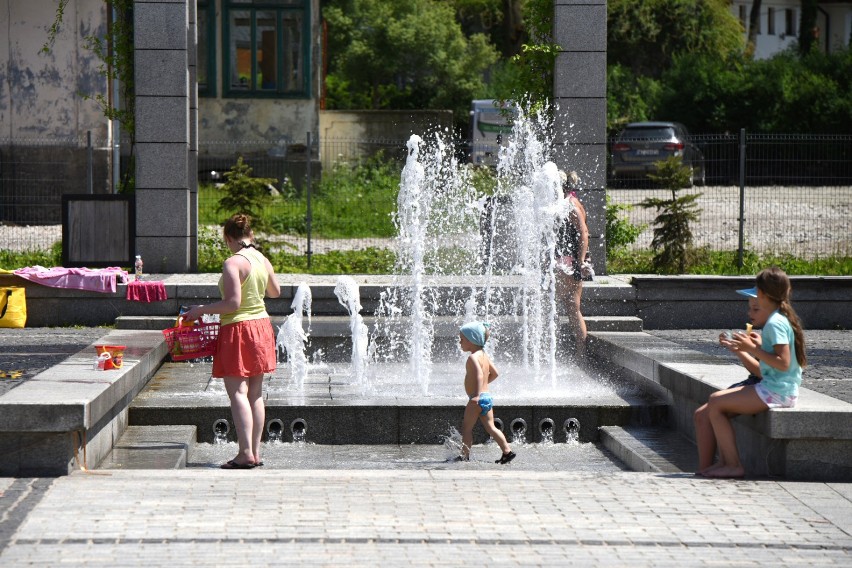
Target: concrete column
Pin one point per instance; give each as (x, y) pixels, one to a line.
(579, 92)
(192, 171)
(164, 219)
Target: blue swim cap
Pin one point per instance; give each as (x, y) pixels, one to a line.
(475, 332)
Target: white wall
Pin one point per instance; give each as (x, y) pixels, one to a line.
(41, 95)
(767, 45)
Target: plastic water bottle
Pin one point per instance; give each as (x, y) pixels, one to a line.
(138, 267)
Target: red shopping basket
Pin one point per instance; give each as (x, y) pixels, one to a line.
(192, 342)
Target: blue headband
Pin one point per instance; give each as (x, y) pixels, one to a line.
(475, 332)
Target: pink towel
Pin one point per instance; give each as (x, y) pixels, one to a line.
(146, 291)
(91, 279)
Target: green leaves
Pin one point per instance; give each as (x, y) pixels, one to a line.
(786, 93)
(404, 55)
(646, 36)
(620, 232)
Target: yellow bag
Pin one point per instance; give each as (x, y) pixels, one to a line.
(13, 306)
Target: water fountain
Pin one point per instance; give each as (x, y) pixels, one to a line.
(292, 336)
(348, 295)
(396, 377)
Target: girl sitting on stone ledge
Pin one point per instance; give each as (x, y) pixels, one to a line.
(777, 356)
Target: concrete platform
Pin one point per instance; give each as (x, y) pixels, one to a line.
(812, 441)
(656, 450)
(661, 302)
(163, 447)
(69, 413)
(54, 306)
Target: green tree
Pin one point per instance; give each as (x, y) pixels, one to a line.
(785, 93)
(807, 25)
(672, 242)
(645, 36)
(630, 97)
(403, 55)
(246, 194)
(528, 75)
(753, 26)
(500, 20)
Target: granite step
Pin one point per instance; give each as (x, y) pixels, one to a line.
(650, 449)
(152, 447)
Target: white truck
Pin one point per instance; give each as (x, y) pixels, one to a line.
(491, 127)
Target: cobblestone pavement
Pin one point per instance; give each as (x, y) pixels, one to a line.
(424, 518)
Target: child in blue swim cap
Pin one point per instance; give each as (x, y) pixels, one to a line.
(479, 372)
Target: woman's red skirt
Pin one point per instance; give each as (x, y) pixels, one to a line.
(245, 349)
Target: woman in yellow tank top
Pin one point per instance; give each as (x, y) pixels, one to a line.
(246, 348)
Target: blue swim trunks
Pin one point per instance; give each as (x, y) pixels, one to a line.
(486, 403)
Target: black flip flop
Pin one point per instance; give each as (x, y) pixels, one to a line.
(231, 464)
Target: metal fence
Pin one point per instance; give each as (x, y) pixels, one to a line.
(771, 193)
(792, 192)
(34, 174)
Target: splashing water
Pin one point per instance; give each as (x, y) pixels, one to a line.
(533, 186)
(572, 430)
(452, 443)
(519, 434)
(292, 336)
(348, 295)
(547, 434)
(447, 227)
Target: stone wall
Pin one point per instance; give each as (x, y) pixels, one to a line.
(579, 93)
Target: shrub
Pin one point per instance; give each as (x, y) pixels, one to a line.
(620, 232)
(246, 194)
(672, 242)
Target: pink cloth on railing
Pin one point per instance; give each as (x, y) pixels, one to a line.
(91, 279)
(148, 291)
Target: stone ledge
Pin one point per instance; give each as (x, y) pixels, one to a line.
(70, 415)
(339, 326)
(72, 395)
(812, 441)
(49, 306)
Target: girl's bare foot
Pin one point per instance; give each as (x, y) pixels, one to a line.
(726, 472)
(708, 469)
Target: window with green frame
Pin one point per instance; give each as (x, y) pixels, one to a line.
(205, 55)
(266, 46)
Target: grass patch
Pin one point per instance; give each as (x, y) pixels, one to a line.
(351, 201)
(10, 260)
(211, 255)
(724, 263)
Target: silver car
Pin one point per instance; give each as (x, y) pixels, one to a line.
(640, 145)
